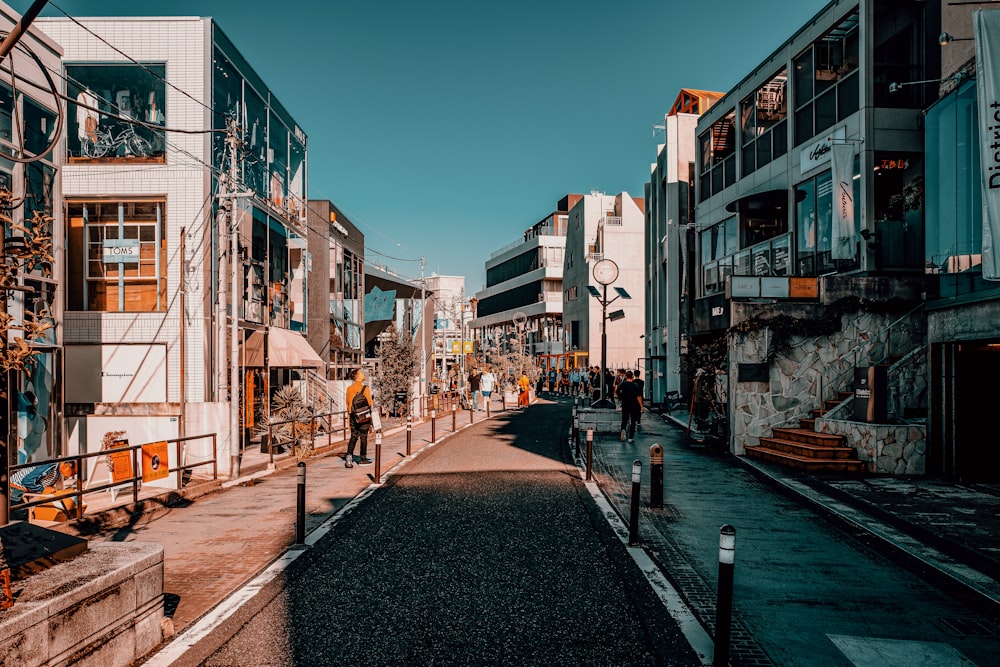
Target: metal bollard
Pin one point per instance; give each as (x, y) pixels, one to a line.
(633, 520)
(472, 417)
(590, 452)
(488, 399)
(300, 504)
(409, 433)
(433, 425)
(576, 434)
(378, 457)
(454, 416)
(656, 476)
(724, 602)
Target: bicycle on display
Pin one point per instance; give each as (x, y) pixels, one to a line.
(126, 143)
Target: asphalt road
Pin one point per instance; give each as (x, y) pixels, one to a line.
(486, 549)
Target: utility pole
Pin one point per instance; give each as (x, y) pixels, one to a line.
(423, 342)
(228, 220)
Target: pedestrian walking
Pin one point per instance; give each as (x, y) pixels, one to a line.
(523, 391)
(475, 382)
(631, 404)
(486, 383)
(619, 378)
(359, 400)
(642, 393)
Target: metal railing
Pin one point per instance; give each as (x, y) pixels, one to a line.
(133, 452)
(873, 350)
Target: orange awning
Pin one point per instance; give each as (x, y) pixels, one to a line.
(285, 349)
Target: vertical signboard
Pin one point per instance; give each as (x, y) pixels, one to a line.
(986, 27)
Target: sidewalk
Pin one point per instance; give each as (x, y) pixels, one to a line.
(948, 532)
(217, 544)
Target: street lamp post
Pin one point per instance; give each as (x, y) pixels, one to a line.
(605, 272)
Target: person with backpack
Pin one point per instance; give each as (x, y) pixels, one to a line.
(359, 402)
(630, 397)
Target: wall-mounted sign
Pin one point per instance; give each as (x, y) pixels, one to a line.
(120, 251)
(116, 373)
(818, 153)
(774, 288)
(744, 286)
(803, 288)
(456, 347)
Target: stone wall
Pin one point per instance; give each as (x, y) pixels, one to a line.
(813, 365)
(885, 448)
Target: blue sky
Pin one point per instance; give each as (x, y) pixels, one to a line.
(445, 128)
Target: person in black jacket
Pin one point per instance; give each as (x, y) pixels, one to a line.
(631, 403)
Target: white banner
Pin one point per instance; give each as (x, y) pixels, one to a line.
(845, 242)
(986, 28)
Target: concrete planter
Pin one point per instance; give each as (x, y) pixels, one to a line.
(103, 608)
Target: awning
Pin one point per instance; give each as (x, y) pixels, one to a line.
(285, 349)
(768, 200)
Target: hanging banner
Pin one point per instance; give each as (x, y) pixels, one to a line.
(845, 242)
(986, 29)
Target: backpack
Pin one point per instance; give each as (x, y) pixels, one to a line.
(361, 410)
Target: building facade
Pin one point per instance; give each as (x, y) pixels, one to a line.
(177, 154)
(669, 198)
(523, 292)
(605, 227)
(810, 220)
(963, 308)
(30, 192)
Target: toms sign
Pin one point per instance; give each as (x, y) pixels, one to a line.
(120, 251)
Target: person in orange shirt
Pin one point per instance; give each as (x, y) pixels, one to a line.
(523, 389)
(359, 431)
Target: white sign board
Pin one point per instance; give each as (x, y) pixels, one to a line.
(744, 286)
(116, 373)
(120, 251)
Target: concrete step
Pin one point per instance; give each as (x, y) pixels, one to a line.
(853, 466)
(808, 450)
(808, 424)
(808, 437)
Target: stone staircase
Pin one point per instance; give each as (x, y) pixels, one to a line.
(805, 449)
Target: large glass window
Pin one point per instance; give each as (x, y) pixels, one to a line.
(899, 45)
(954, 238)
(899, 209)
(826, 80)
(117, 256)
(814, 224)
(762, 120)
(718, 156)
(101, 123)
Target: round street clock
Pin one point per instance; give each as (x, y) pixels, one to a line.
(605, 271)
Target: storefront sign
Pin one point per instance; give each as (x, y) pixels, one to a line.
(986, 25)
(803, 288)
(456, 347)
(744, 286)
(121, 464)
(819, 153)
(774, 288)
(120, 251)
(116, 373)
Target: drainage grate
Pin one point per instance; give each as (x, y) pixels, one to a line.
(968, 627)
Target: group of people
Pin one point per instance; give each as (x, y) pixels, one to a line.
(481, 384)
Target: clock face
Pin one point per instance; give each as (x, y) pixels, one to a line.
(605, 271)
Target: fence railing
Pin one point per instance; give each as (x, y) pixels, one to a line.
(134, 479)
(897, 337)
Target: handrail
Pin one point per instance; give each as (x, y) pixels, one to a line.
(135, 465)
(838, 379)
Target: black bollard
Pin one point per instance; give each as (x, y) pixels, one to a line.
(633, 519)
(656, 476)
(378, 457)
(472, 417)
(433, 425)
(590, 452)
(454, 416)
(409, 433)
(576, 434)
(488, 400)
(724, 603)
(300, 504)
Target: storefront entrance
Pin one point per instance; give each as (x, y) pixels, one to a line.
(976, 371)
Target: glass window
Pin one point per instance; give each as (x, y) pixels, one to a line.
(814, 224)
(108, 98)
(117, 256)
(6, 113)
(826, 83)
(39, 124)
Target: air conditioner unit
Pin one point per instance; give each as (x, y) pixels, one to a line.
(541, 297)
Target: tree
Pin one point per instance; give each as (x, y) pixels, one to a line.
(397, 366)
